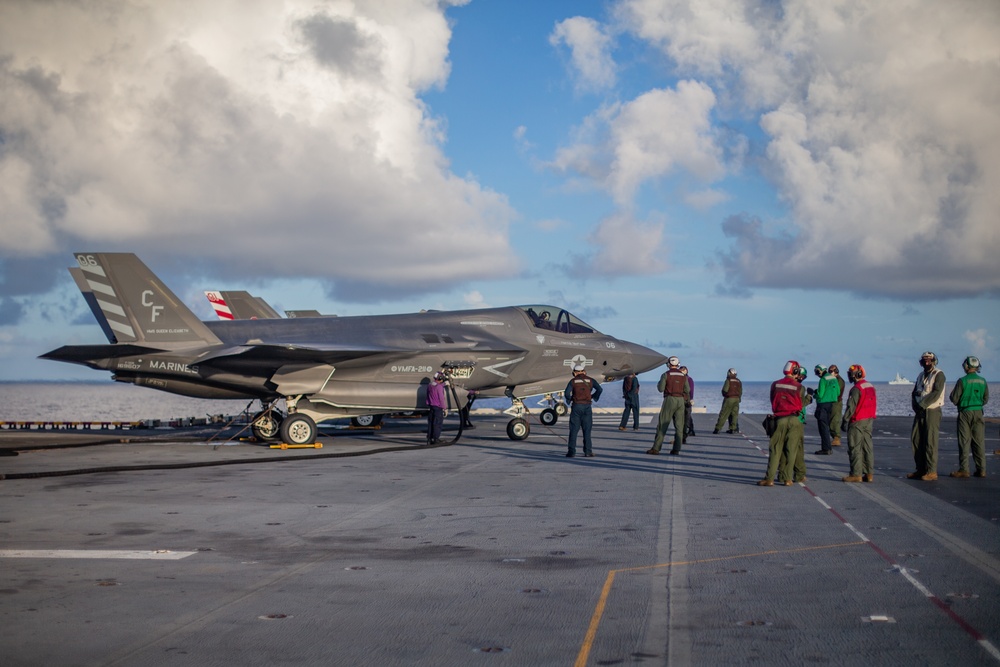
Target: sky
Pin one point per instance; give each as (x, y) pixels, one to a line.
(734, 183)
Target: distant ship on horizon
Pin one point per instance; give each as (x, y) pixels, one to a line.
(899, 380)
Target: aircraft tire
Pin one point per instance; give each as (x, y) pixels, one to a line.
(518, 429)
(548, 417)
(298, 429)
(366, 421)
(266, 425)
(561, 409)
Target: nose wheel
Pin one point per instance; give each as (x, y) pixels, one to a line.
(548, 417)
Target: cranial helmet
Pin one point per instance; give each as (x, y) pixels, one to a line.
(579, 368)
(673, 362)
(800, 374)
(731, 373)
(971, 364)
(856, 372)
(833, 369)
(929, 357)
(791, 367)
(820, 369)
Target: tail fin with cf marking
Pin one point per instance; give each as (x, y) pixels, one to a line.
(136, 306)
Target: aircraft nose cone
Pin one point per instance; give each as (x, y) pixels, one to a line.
(645, 359)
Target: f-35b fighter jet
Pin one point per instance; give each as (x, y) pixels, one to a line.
(332, 367)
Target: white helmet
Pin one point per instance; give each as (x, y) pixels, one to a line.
(731, 372)
(579, 368)
(673, 362)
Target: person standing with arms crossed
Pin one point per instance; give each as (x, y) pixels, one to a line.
(732, 394)
(580, 392)
(786, 404)
(926, 400)
(860, 414)
(674, 387)
(630, 392)
(970, 394)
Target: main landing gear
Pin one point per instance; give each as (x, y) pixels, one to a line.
(519, 428)
(269, 425)
(266, 424)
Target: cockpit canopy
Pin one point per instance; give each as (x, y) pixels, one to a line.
(551, 318)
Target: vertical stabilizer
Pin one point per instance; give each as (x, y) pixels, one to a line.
(241, 306)
(88, 294)
(136, 306)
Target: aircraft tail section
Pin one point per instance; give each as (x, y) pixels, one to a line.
(136, 306)
(88, 294)
(241, 306)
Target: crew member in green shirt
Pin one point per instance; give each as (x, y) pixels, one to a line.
(970, 394)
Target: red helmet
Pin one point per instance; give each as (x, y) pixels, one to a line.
(791, 367)
(856, 372)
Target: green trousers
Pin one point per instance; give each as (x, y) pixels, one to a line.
(797, 468)
(672, 410)
(971, 435)
(782, 445)
(859, 448)
(835, 418)
(731, 411)
(924, 439)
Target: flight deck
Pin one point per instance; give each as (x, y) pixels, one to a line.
(170, 549)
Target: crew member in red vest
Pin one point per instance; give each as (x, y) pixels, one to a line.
(786, 404)
(860, 414)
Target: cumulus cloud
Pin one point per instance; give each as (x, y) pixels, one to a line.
(883, 135)
(622, 246)
(623, 146)
(285, 138)
(590, 48)
(980, 342)
(475, 299)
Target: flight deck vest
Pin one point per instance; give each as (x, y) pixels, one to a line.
(787, 399)
(866, 402)
(973, 392)
(675, 384)
(735, 389)
(582, 386)
(924, 385)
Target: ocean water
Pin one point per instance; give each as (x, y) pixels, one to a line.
(115, 401)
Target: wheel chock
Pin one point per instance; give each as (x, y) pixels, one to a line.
(285, 445)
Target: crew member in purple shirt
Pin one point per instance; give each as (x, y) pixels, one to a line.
(437, 401)
(688, 420)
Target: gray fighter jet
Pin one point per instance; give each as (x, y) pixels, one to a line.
(331, 367)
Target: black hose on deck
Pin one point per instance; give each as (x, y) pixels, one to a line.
(209, 464)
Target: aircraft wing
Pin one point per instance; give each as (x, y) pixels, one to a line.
(272, 354)
(83, 353)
